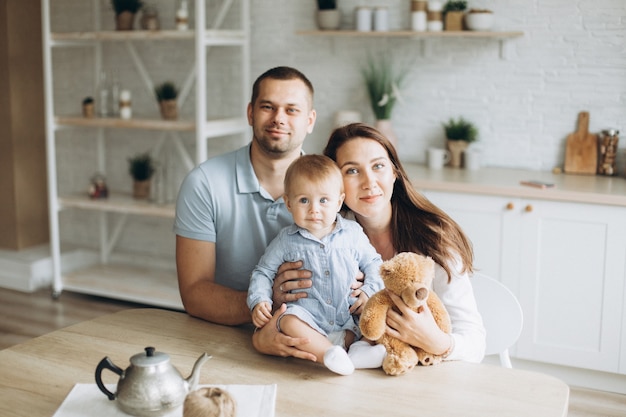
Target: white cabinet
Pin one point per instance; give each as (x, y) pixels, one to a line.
(118, 244)
(565, 262)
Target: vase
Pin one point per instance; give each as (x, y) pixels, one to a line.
(385, 127)
(125, 20)
(328, 19)
(169, 109)
(456, 148)
(141, 189)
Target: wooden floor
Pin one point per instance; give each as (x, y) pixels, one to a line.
(27, 315)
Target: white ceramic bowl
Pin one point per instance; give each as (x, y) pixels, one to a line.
(479, 21)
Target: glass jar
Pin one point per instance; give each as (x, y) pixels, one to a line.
(607, 151)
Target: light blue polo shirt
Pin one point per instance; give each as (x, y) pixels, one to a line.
(222, 201)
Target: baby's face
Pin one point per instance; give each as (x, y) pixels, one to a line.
(314, 205)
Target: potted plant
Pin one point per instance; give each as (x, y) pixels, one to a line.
(328, 16)
(383, 84)
(141, 167)
(454, 11)
(88, 107)
(125, 11)
(166, 94)
(459, 134)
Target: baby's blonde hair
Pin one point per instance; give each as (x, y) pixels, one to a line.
(314, 168)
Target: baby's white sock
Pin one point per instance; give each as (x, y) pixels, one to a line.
(364, 355)
(336, 359)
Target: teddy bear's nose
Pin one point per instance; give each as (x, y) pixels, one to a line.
(421, 293)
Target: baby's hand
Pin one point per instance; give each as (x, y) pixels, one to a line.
(261, 314)
(361, 299)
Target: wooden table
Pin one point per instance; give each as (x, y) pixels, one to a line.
(36, 376)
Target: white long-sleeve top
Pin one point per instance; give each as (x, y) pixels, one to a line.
(467, 325)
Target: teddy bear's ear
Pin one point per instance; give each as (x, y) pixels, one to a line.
(385, 268)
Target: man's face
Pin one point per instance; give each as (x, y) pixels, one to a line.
(282, 116)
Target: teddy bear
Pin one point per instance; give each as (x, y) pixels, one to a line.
(408, 275)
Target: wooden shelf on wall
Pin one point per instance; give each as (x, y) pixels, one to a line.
(413, 34)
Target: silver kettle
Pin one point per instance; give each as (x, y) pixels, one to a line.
(150, 386)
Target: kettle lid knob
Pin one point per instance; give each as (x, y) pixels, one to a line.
(149, 358)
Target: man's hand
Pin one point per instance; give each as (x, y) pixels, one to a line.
(270, 341)
(288, 278)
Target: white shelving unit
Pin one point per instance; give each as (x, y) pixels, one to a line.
(142, 283)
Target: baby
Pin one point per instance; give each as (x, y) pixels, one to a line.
(334, 250)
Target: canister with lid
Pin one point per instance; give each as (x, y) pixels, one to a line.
(419, 17)
(381, 19)
(363, 19)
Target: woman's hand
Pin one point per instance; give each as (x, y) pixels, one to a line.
(288, 278)
(418, 329)
(270, 341)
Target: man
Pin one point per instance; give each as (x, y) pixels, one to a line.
(230, 207)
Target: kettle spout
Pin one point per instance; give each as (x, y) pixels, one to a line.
(192, 380)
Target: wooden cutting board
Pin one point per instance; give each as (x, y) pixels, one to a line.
(581, 148)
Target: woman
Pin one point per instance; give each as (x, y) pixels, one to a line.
(397, 218)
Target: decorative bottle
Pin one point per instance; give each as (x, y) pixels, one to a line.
(102, 96)
(125, 107)
(114, 92)
(182, 16)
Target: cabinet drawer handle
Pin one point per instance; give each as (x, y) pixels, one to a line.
(510, 206)
(528, 208)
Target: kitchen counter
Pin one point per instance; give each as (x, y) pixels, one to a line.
(591, 189)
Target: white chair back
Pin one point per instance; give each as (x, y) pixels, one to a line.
(502, 316)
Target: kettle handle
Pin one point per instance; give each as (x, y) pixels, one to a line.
(106, 364)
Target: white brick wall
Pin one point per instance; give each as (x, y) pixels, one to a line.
(572, 57)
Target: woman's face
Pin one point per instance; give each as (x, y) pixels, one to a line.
(368, 176)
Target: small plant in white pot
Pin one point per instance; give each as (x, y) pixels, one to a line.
(459, 134)
(328, 16)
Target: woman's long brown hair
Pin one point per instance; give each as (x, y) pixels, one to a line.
(417, 225)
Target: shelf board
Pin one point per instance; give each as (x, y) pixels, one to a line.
(116, 123)
(413, 34)
(117, 203)
(223, 127)
(211, 37)
(123, 35)
(151, 286)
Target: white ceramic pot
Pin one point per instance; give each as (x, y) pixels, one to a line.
(328, 19)
(479, 21)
